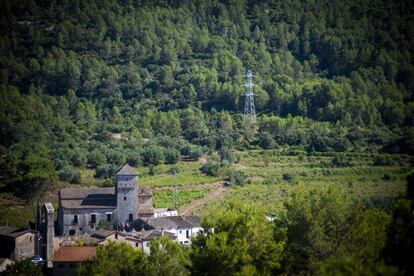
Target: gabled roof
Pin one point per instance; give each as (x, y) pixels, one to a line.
(164, 223)
(127, 170)
(81, 198)
(153, 234)
(195, 221)
(102, 233)
(180, 222)
(81, 193)
(75, 254)
(14, 232)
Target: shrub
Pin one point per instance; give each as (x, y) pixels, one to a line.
(172, 155)
(341, 161)
(78, 158)
(226, 155)
(238, 178)
(70, 175)
(109, 182)
(210, 168)
(106, 170)
(195, 152)
(266, 141)
(134, 159)
(151, 170)
(288, 177)
(153, 155)
(387, 176)
(104, 224)
(383, 160)
(96, 158)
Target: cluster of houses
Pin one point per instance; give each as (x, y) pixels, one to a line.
(83, 217)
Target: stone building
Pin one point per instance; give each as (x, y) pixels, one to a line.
(17, 243)
(81, 209)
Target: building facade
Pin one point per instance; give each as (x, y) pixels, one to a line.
(80, 210)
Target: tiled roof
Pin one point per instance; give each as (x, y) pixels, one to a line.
(80, 193)
(79, 198)
(153, 234)
(102, 233)
(75, 254)
(164, 223)
(14, 232)
(193, 220)
(180, 222)
(127, 170)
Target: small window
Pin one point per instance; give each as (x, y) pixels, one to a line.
(180, 231)
(61, 265)
(124, 198)
(80, 229)
(75, 219)
(72, 265)
(131, 217)
(72, 232)
(187, 234)
(93, 218)
(30, 239)
(136, 244)
(108, 217)
(116, 236)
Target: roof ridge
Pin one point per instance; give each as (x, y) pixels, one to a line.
(127, 170)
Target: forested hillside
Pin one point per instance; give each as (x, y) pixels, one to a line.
(98, 83)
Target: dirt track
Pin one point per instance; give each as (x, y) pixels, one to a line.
(218, 193)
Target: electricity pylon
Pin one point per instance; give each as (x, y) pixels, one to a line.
(249, 109)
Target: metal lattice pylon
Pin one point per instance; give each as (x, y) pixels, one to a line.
(249, 109)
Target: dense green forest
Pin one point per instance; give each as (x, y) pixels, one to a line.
(167, 76)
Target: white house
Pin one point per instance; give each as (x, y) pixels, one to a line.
(183, 227)
(165, 212)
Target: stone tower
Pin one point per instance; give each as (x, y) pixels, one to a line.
(47, 228)
(126, 194)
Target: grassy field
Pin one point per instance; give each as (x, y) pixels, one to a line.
(271, 177)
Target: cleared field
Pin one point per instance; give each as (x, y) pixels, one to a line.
(271, 177)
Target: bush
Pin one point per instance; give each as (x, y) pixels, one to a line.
(172, 155)
(104, 224)
(341, 161)
(226, 155)
(70, 175)
(383, 160)
(106, 170)
(387, 176)
(238, 178)
(134, 159)
(288, 177)
(78, 158)
(116, 157)
(151, 170)
(109, 182)
(266, 141)
(210, 168)
(153, 155)
(96, 158)
(195, 152)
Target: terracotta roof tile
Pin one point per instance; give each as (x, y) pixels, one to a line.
(75, 254)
